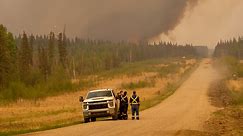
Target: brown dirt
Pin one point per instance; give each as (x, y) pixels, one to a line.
(219, 94)
(228, 121)
(184, 113)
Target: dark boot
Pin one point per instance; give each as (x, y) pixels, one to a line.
(137, 118)
(126, 117)
(133, 118)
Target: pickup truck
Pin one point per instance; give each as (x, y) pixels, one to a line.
(99, 103)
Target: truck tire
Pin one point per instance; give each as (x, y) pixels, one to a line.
(115, 117)
(86, 120)
(93, 119)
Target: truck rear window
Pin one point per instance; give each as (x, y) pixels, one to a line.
(99, 94)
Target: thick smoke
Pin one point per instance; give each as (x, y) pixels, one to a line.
(208, 23)
(96, 19)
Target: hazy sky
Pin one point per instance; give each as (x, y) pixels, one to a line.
(208, 22)
(183, 21)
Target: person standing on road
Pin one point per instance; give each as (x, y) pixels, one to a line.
(124, 106)
(120, 107)
(135, 103)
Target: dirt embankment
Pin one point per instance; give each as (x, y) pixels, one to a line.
(219, 94)
(228, 120)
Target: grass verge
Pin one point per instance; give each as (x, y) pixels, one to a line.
(169, 89)
(46, 127)
(139, 84)
(228, 120)
(134, 69)
(60, 83)
(161, 95)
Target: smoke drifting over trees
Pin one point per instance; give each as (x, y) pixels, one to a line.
(209, 22)
(96, 19)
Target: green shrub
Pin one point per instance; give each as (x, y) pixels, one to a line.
(56, 84)
(233, 65)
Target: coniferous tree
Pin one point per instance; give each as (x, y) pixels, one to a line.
(62, 50)
(13, 56)
(229, 48)
(12, 47)
(31, 48)
(51, 49)
(24, 58)
(5, 61)
(43, 62)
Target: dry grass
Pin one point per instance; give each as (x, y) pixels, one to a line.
(191, 61)
(227, 94)
(65, 109)
(235, 85)
(228, 120)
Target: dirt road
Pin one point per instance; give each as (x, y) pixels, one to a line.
(187, 109)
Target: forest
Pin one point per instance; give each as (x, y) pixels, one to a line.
(35, 66)
(230, 52)
(233, 47)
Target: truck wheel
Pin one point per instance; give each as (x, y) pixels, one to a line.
(93, 119)
(86, 120)
(115, 117)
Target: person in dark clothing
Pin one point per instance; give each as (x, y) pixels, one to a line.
(120, 106)
(124, 106)
(135, 103)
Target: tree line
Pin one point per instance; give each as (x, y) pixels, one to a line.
(230, 53)
(33, 61)
(233, 47)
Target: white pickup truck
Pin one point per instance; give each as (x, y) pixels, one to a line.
(99, 103)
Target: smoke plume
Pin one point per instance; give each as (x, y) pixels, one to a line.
(96, 19)
(208, 23)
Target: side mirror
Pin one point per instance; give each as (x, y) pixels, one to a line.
(81, 99)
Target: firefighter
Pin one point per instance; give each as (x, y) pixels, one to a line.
(124, 106)
(120, 107)
(134, 101)
(118, 96)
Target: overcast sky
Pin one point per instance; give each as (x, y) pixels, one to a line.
(208, 22)
(184, 21)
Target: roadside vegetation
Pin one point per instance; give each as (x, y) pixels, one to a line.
(38, 66)
(139, 84)
(65, 110)
(169, 88)
(228, 119)
(42, 76)
(162, 71)
(227, 93)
